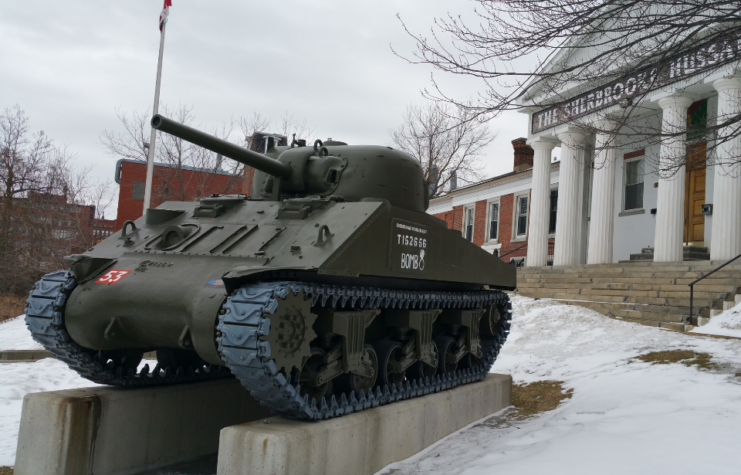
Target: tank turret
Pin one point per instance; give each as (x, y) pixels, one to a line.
(350, 172)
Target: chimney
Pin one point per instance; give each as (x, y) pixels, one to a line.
(523, 154)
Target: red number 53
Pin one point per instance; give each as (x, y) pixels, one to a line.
(112, 276)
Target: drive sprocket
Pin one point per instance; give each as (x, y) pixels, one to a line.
(291, 331)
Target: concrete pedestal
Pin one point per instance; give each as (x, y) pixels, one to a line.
(127, 431)
(361, 443)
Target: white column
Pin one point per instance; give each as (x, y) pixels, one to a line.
(567, 216)
(537, 241)
(725, 242)
(602, 215)
(670, 205)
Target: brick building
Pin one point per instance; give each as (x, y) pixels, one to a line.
(494, 213)
(169, 183)
(69, 225)
(184, 183)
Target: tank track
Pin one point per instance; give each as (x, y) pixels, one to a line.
(45, 320)
(245, 317)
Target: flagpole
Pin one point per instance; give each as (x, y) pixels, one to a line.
(153, 135)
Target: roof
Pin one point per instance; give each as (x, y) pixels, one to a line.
(120, 163)
(485, 182)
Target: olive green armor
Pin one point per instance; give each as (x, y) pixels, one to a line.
(326, 291)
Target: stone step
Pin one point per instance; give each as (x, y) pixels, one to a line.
(722, 285)
(689, 253)
(677, 299)
(633, 266)
(650, 250)
(732, 280)
(637, 272)
(627, 311)
(642, 292)
(728, 305)
(625, 303)
(602, 290)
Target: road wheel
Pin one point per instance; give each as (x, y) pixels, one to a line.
(422, 370)
(446, 353)
(388, 352)
(349, 382)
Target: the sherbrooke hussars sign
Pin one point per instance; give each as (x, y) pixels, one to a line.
(695, 60)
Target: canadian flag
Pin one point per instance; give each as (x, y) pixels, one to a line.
(165, 13)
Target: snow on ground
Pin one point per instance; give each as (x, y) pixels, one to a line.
(727, 323)
(625, 416)
(19, 379)
(15, 336)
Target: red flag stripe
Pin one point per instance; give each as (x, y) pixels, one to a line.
(165, 13)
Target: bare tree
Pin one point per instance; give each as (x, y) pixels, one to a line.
(537, 53)
(179, 156)
(447, 140)
(175, 154)
(45, 211)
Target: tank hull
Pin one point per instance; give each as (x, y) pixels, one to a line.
(147, 293)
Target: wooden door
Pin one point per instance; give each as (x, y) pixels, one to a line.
(694, 190)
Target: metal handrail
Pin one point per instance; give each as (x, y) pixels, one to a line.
(513, 250)
(550, 246)
(692, 284)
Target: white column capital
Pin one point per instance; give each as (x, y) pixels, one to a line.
(571, 137)
(727, 83)
(541, 144)
(605, 125)
(675, 102)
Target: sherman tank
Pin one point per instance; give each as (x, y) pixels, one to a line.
(327, 290)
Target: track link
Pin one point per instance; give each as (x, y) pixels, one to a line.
(45, 320)
(245, 318)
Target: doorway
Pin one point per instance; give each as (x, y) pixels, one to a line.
(694, 194)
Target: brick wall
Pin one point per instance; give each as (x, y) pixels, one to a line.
(168, 184)
(454, 219)
(458, 218)
(523, 160)
(249, 174)
(479, 223)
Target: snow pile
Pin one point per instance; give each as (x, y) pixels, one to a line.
(727, 323)
(14, 335)
(19, 379)
(625, 416)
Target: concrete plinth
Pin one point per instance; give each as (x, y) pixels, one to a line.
(361, 443)
(127, 431)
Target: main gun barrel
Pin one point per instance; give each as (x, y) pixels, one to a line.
(217, 145)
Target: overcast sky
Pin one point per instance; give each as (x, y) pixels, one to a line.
(70, 64)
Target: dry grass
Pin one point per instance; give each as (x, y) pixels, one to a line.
(540, 396)
(6, 471)
(10, 307)
(685, 357)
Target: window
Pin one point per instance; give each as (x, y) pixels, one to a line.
(137, 192)
(521, 216)
(493, 221)
(634, 184)
(468, 223)
(553, 209)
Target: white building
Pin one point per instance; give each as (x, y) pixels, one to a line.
(612, 200)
